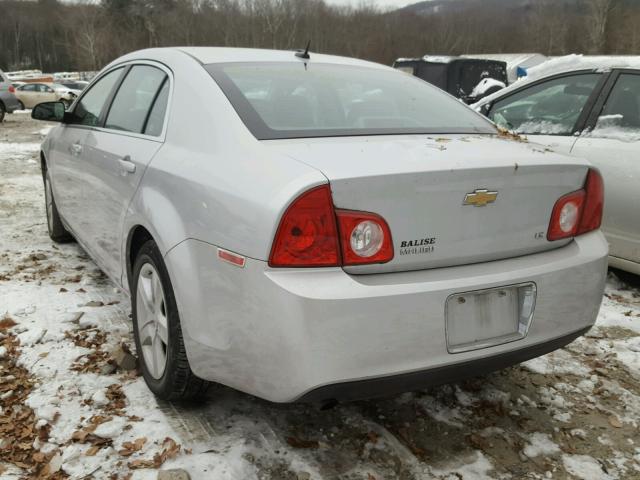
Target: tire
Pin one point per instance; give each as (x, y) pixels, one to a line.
(21, 105)
(57, 232)
(163, 361)
(631, 279)
(2, 112)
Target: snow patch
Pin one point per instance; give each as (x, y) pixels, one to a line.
(540, 444)
(584, 467)
(559, 362)
(475, 467)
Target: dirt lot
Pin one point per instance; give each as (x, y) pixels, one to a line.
(68, 409)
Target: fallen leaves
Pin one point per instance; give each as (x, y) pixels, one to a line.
(87, 435)
(18, 429)
(129, 448)
(6, 323)
(94, 339)
(170, 450)
(509, 135)
(117, 399)
(88, 338)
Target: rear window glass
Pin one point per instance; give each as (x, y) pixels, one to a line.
(294, 100)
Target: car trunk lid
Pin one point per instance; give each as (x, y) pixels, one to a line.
(449, 200)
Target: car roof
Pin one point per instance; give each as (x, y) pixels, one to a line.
(208, 55)
(571, 63)
(568, 64)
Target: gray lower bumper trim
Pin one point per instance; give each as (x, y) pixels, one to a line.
(389, 385)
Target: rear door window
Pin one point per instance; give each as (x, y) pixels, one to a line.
(620, 116)
(548, 108)
(136, 95)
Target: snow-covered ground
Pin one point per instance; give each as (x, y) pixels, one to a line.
(573, 414)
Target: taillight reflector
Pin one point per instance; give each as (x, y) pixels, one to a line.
(230, 257)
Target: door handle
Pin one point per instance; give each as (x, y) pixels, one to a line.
(127, 165)
(76, 148)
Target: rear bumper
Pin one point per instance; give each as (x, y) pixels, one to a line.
(374, 387)
(287, 335)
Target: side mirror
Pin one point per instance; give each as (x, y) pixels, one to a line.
(486, 108)
(49, 111)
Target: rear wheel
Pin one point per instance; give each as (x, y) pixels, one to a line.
(2, 112)
(21, 105)
(57, 232)
(157, 330)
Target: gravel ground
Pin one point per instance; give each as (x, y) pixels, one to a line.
(73, 412)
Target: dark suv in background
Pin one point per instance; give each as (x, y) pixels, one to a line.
(8, 101)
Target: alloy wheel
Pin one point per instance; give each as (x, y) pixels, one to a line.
(48, 202)
(151, 315)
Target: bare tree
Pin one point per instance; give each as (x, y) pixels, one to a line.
(598, 17)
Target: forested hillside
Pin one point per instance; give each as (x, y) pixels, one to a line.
(53, 35)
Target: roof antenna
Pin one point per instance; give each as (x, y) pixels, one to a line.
(304, 53)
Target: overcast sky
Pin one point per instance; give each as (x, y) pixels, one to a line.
(381, 3)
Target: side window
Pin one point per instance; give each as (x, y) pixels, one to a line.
(132, 103)
(549, 108)
(87, 111)
(29, 87)
(620, 116)
(155, 122)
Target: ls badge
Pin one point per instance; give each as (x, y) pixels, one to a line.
(480, 197)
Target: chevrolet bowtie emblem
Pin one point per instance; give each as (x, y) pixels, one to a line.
(480, 198)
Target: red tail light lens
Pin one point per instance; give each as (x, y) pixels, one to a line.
(307, 235)
(364, 237)
(594, 203)
(578, 212)
(12, 89)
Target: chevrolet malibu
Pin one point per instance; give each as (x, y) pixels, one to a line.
(309, 227)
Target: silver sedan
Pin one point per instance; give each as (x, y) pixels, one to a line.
(308, 227)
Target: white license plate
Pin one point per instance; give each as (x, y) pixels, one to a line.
(485, 318)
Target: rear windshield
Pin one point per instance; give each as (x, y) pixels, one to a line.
(294, 100)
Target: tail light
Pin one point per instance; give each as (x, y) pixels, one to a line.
(309, 236)
(364, 237)
(12, 89)
(593, 203)
(578, 212)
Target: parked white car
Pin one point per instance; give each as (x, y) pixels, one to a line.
(318, 227)
(31, 94)
(588, 107)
